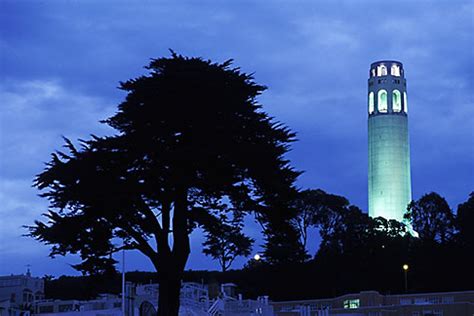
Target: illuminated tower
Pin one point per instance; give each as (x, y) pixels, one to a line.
(389, 149)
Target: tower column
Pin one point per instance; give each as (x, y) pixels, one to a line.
(389, 176)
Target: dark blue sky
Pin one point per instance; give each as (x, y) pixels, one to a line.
(61, 62)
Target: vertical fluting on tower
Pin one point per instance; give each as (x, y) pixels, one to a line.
(389, 149)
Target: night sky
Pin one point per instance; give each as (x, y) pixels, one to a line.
(61, 62)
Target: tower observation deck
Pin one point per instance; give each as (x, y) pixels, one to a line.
(389, 148)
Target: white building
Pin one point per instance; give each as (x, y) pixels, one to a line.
(18, 293)
(142, 300)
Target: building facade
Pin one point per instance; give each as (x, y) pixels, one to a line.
(372, 303)
(18, 293)
(142, 300)
(389, 178)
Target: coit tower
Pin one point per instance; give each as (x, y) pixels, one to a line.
(389, 149)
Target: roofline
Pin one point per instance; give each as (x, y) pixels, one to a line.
(386, 62)
(385, 295)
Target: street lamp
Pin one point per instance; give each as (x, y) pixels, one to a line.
(405, 271)
(257, 257)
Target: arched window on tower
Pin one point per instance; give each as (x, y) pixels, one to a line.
(395, 70)
(372, 72)
(405, 103)
(371, 103)
(382, 101)
(381, 70)
(396, 101)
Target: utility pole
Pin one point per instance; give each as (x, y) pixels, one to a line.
(123, 282)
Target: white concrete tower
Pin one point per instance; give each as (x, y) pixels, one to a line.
(389, 148)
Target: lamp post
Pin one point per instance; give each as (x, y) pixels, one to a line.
(123, 281)
(405, 272)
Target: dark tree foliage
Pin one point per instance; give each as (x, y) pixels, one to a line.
(282, 238)
(282, 244)
(317, 208)
(192, 144)
(352, 243)
(225, 240)
(374, 263)
(431, 218)
(465, 222)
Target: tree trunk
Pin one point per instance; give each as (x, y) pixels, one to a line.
(169, 292)
(170, 274)
(170, 264)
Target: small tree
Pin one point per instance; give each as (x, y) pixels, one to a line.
(282, 244)
(465, 222)
(191, 138)
(225, 240)
(431, 218)
(317, 208)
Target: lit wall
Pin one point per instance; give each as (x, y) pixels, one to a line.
(389, 166)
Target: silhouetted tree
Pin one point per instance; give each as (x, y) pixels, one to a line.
(356, 249)
(343, 229)
(191, 138)
(465, 222)
(282, 244)
(48, 277)
(316, 208)
(431, 218)
(330, 218)
(225, 240)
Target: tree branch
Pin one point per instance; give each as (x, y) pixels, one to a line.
(181, 246)
(160, 234)
(141, 243)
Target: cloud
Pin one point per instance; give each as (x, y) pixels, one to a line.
(34, 116)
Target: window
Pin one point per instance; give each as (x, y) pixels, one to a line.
(436, 312)
(372, 72)
(381, 70)
(382, 101)
(395, 70)
(396, 101)
(27, 296)
(46, 309)
(405, 103)
(65, 308)
(448, 299)
(435, 300)
(38, 296)
(354, 303)
(371, 103)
